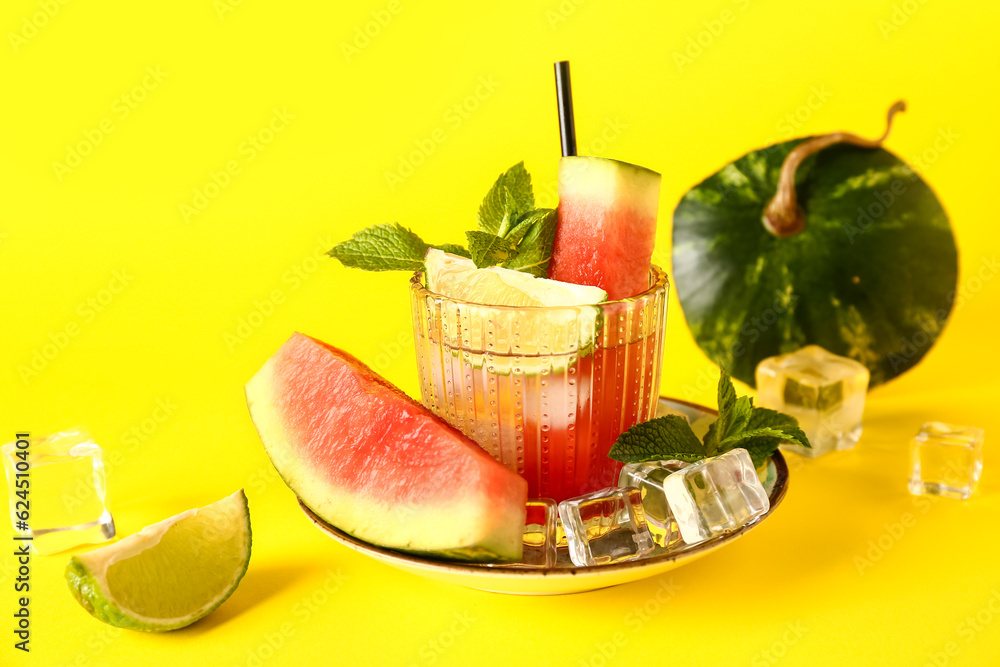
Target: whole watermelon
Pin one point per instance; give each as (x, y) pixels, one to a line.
(871, 276)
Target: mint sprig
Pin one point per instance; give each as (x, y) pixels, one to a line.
(489, 250)
(453, 248)
(740, 424)
(510, 198)
(648, 442)
(534, 250)
(511, 233)
(390, 247)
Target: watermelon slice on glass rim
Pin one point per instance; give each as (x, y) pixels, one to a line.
(607, 225)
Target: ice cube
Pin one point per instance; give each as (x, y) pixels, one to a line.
(648, 477)
(607, 526)
(825, 392)
(56, 491)
(715, 496)
(946, 460)
(540, 533)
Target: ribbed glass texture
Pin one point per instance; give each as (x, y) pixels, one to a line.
(546, 391)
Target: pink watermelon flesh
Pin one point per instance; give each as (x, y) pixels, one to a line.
(607, 225)
(375, 463)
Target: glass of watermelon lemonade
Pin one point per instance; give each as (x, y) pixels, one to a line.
(544, 390)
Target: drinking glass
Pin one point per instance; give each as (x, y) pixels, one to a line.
(545, 390)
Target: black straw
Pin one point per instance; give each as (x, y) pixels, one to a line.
(564, 98)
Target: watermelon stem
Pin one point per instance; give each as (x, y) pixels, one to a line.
(783, 216)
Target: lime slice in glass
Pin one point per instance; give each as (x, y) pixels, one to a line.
(169, 574)
(458, 278)
(544, 324)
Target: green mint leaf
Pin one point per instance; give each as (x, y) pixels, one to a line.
(524, 225)
(667, 437)
(382, 248)
(766, 430)
(497, 204)
(509, 213)
(454, 249)
(529, 221)
(489, 249)
(761, 447)
(534, 249)
(759, 443)
(734, 413)
(758, 430)
(734, 441)
(764, 417)
(739, 417)
(712, 438)
(727, 395)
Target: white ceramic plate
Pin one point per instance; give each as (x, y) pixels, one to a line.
(563, 578)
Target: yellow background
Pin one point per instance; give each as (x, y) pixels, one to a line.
(174, 325)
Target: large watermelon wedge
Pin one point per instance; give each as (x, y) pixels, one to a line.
(607, 225)
(373, 462)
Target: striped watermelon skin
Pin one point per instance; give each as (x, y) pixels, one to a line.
(607, 225)
(373, 462)
(873, 276)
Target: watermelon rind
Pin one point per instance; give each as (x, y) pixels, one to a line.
(606, 228)
(873, 276)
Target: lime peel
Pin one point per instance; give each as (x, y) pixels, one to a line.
(217, 535)
(506, 298)
(458, 278)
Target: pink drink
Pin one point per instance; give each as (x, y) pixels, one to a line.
(546, 391)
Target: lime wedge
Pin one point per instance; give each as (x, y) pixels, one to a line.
(170, 574)
(458, 278)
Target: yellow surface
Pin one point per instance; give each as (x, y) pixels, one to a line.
(137, 304)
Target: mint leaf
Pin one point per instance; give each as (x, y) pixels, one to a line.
(765, 417)
(524, 225)
(454, 249)
(734, 414)
(758, 430)
(497, 204)
(388, 248)
(712, 439)
(739, 417)
(512, 234)
(534, 250)
(489, 249)
(766, 430)
(761, 447)
(667, 437)
(382, 248)
(509, 213)
(727, 394)
(733, 442)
